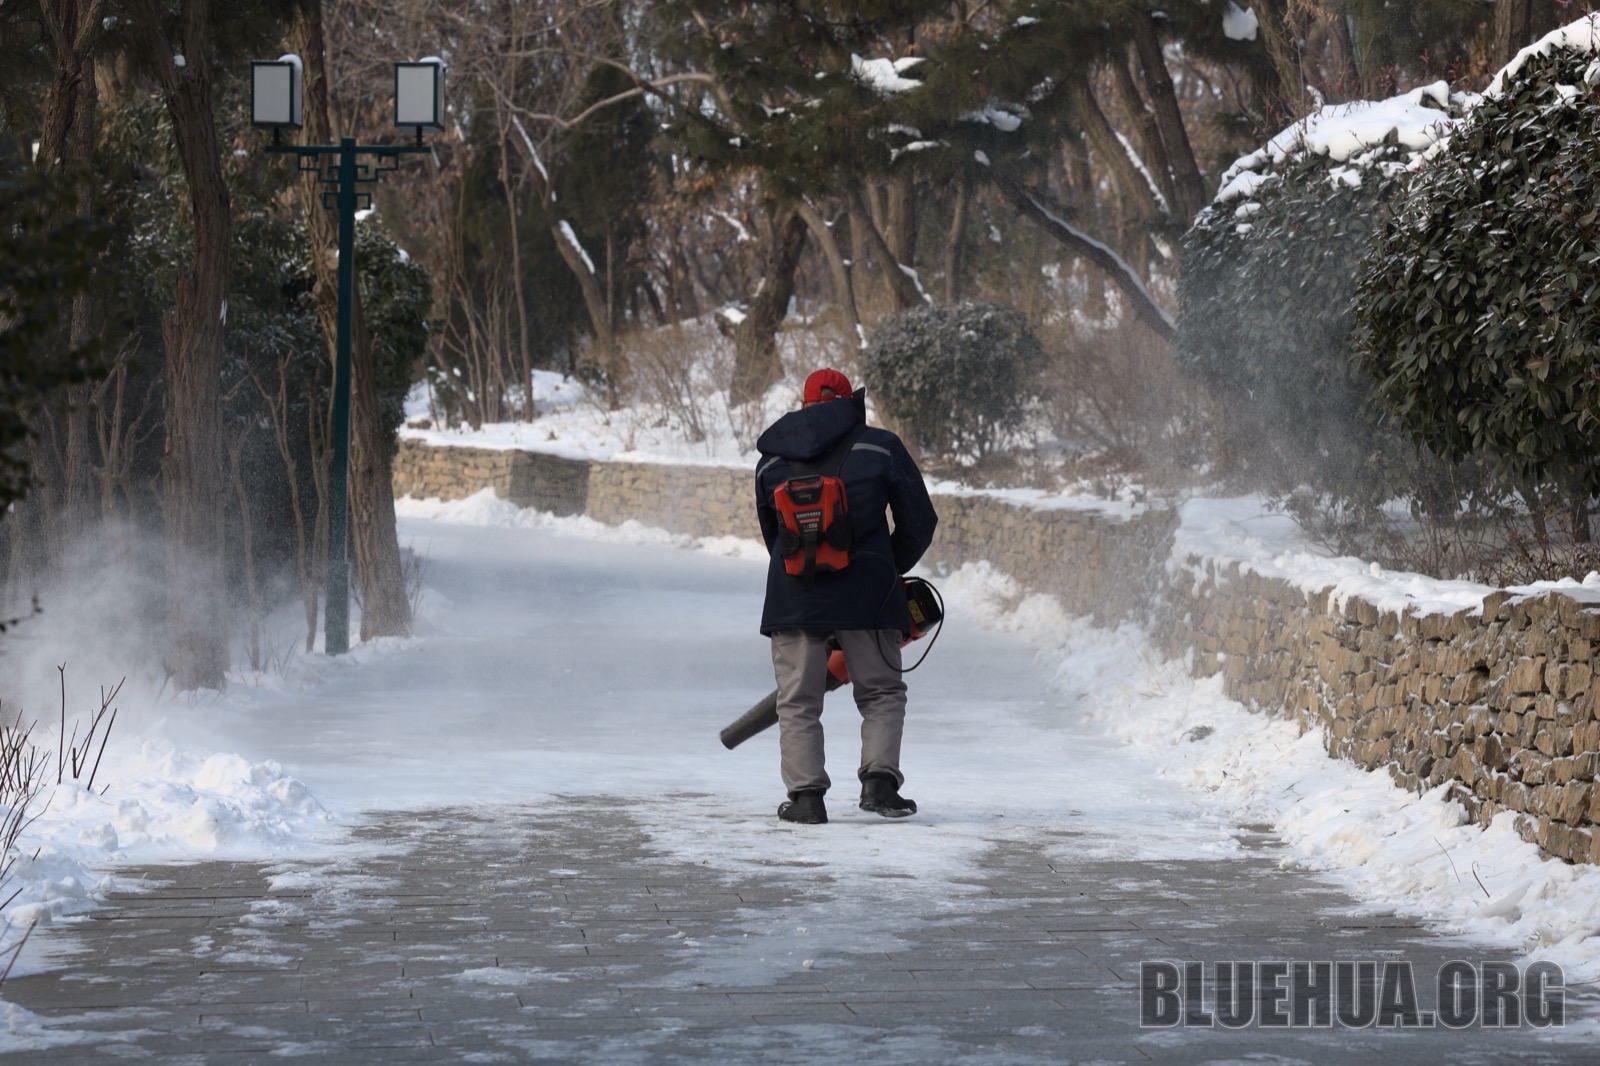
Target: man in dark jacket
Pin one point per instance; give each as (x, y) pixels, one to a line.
(861, 607)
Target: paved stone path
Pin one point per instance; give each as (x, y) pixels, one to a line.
(512, 934)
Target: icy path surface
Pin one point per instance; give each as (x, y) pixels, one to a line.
(548, 665)
(544, 754)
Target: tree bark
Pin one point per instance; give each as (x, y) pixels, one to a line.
(278, 406)
(843, 283)
(374, 542)
(193, 482)
(900, 229)
(1102, 136)
(1517, 24)
(1151, 150)
(1189, 183)
(1117, 269)
(755, 347)
(594, 302)
(955, 242)
(66, 143)
(907, 293)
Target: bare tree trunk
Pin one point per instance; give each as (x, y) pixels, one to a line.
(385, 607)
(755, 348)
(955, 243)
(907, 293)
(1102, 137)
(1517, 24)
(1126, 278)
(511, 188)
(247, 538)
(900, 229)
(1189, 184)
(192, 477)
(319, 438)
(279, 413)
(843, 283)
(1151, 148)
(594, 301)
(1342, 59)
(374, 538)
(118, 435)
(67, 143)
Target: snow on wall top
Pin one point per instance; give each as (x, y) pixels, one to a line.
(1245, 532)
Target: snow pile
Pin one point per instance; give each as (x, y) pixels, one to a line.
(1582, 36)
(152, 802)
(1349, 134)
(1239, 24)
(1421, 120)
(572, 424)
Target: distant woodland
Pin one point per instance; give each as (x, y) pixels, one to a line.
(609, 168)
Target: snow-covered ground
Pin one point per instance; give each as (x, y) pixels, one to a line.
(558, 656)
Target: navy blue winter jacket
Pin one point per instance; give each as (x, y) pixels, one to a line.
(880, 479)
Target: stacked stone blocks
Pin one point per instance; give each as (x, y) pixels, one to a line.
(1496, 703)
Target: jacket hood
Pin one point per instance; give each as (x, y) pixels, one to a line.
(808, 433)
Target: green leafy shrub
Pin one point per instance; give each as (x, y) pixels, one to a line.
(1478, 310)
(957, 379)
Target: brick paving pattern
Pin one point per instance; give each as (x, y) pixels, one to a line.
(558, 934)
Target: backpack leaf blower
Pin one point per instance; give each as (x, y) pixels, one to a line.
(927, 613)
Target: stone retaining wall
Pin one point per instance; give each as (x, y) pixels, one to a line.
(1498, 704)
(527, 479)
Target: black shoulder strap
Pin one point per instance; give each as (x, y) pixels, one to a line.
(833, 462)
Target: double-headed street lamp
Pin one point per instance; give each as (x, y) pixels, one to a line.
(275, 104)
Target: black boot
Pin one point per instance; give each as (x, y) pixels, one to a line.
(880, 794)
(804, 807)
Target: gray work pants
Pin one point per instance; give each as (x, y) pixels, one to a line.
(800, 663)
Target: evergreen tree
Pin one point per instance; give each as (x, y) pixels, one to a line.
(999, 102)
(800, 94)
(48, 256)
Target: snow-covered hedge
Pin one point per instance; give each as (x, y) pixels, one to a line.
(1269, 275)
(1479, 307)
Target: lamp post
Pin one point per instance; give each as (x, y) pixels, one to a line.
(275, 104)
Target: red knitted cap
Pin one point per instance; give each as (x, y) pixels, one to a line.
(826, 378)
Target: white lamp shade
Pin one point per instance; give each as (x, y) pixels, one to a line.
(275, 93)
(419, 94)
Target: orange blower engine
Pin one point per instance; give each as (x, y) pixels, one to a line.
(927, 613)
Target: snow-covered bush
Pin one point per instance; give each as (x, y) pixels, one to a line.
(1478, 308)
(1268, 285)
(957, 378)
